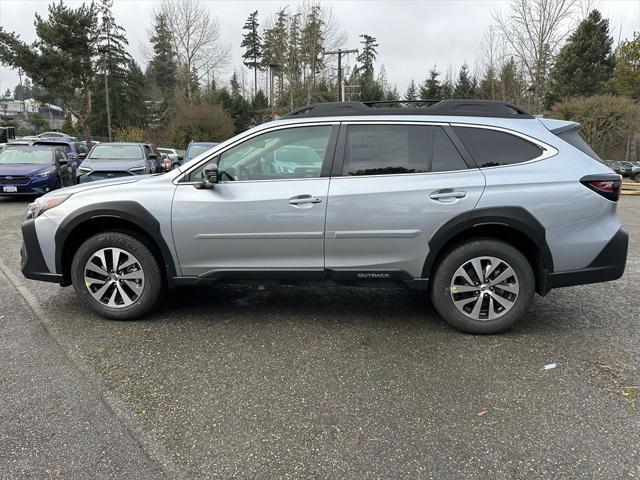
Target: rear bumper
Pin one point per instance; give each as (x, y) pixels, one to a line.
(608, 265)
(32, 261)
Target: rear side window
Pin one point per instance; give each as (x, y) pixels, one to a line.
(573, 137)
(493, 148)
(385, 149)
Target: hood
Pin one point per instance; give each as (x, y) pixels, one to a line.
(81, 187)
(22, 169)
(115, 165)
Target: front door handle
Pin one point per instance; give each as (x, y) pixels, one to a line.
(302, 199)
(448, 195)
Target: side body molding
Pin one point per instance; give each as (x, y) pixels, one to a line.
(516, 218)
(126, 210)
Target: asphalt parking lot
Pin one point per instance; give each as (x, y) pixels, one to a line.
(294, 382)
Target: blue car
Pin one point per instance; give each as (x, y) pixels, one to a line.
(76, 151)
(34, 170)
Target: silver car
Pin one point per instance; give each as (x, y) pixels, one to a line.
(476, 203)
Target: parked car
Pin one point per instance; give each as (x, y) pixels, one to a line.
(196, 148)
(625, 168)
(59, 135)
(174, 155)
(476, 203)
(113, 160)
(33, 170)
(76, 151)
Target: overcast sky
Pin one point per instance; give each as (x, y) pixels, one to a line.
(413, 35)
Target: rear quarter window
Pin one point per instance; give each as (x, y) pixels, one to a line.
(573, 137)
(494, 148)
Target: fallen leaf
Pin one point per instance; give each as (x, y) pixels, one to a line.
(481, 413)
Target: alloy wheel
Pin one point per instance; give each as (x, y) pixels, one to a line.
(114, 277)
(484, 288)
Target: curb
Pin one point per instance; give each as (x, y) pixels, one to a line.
(151, 448)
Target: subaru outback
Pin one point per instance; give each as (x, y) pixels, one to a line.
(476, 203)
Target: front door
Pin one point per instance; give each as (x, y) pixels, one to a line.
(267, 212)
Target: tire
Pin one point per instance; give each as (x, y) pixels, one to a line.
(454, 297)
(636, 177)
(132, 292)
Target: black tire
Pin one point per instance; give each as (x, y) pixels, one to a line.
(458, 256)
(153, 282)
(636, 177)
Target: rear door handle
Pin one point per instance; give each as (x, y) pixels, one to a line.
(302, 199)
(447, 195)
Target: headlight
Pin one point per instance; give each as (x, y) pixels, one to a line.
(137, 169)
(43, 204)
(43, 174)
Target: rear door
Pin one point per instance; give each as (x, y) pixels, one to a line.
(393, 186)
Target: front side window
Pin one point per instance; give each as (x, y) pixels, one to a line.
(493, 148)
(385, 149)
(279, 155)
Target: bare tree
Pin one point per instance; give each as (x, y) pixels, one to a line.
(534, 31)
(196, 38)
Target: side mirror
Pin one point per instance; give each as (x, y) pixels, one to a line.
(63, 161)
(153, 156)
(209, 176)
(82, 155)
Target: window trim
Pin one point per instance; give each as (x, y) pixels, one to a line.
(330, 153)
(548, 151)
(338, 163)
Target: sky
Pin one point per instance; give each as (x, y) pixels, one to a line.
(413, 35)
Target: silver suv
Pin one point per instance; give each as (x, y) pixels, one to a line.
(477, 203)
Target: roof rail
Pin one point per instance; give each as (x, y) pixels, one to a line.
(457, 107)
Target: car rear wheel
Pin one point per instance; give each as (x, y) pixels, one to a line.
(117, 276)
(483, 286)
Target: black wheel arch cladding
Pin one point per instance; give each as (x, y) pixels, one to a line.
(515, 218)
(128, 211)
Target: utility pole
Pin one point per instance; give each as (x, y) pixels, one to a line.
(24, 109)
(340, 52)
(104, 51)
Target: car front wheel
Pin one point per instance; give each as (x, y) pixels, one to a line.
(117, 276)
(483, 286)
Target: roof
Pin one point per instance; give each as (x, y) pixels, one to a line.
(455, 107)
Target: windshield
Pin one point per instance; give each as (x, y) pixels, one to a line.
(196, 150)
(16, 155)
(117, 152)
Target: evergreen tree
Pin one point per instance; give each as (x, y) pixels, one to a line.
(585, 63)
(367, 56)
(126, 82)
(162, 69)
(313, 43)
(252, 43)
(488, 87)
(62, 60)
(511, 83)
(412, 92)
(627, 70)
(466, 85)
(431, 89)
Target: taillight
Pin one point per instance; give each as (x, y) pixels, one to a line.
(606, 185)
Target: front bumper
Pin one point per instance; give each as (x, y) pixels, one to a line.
(608, 265)
(34, 187)
(32, 261)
